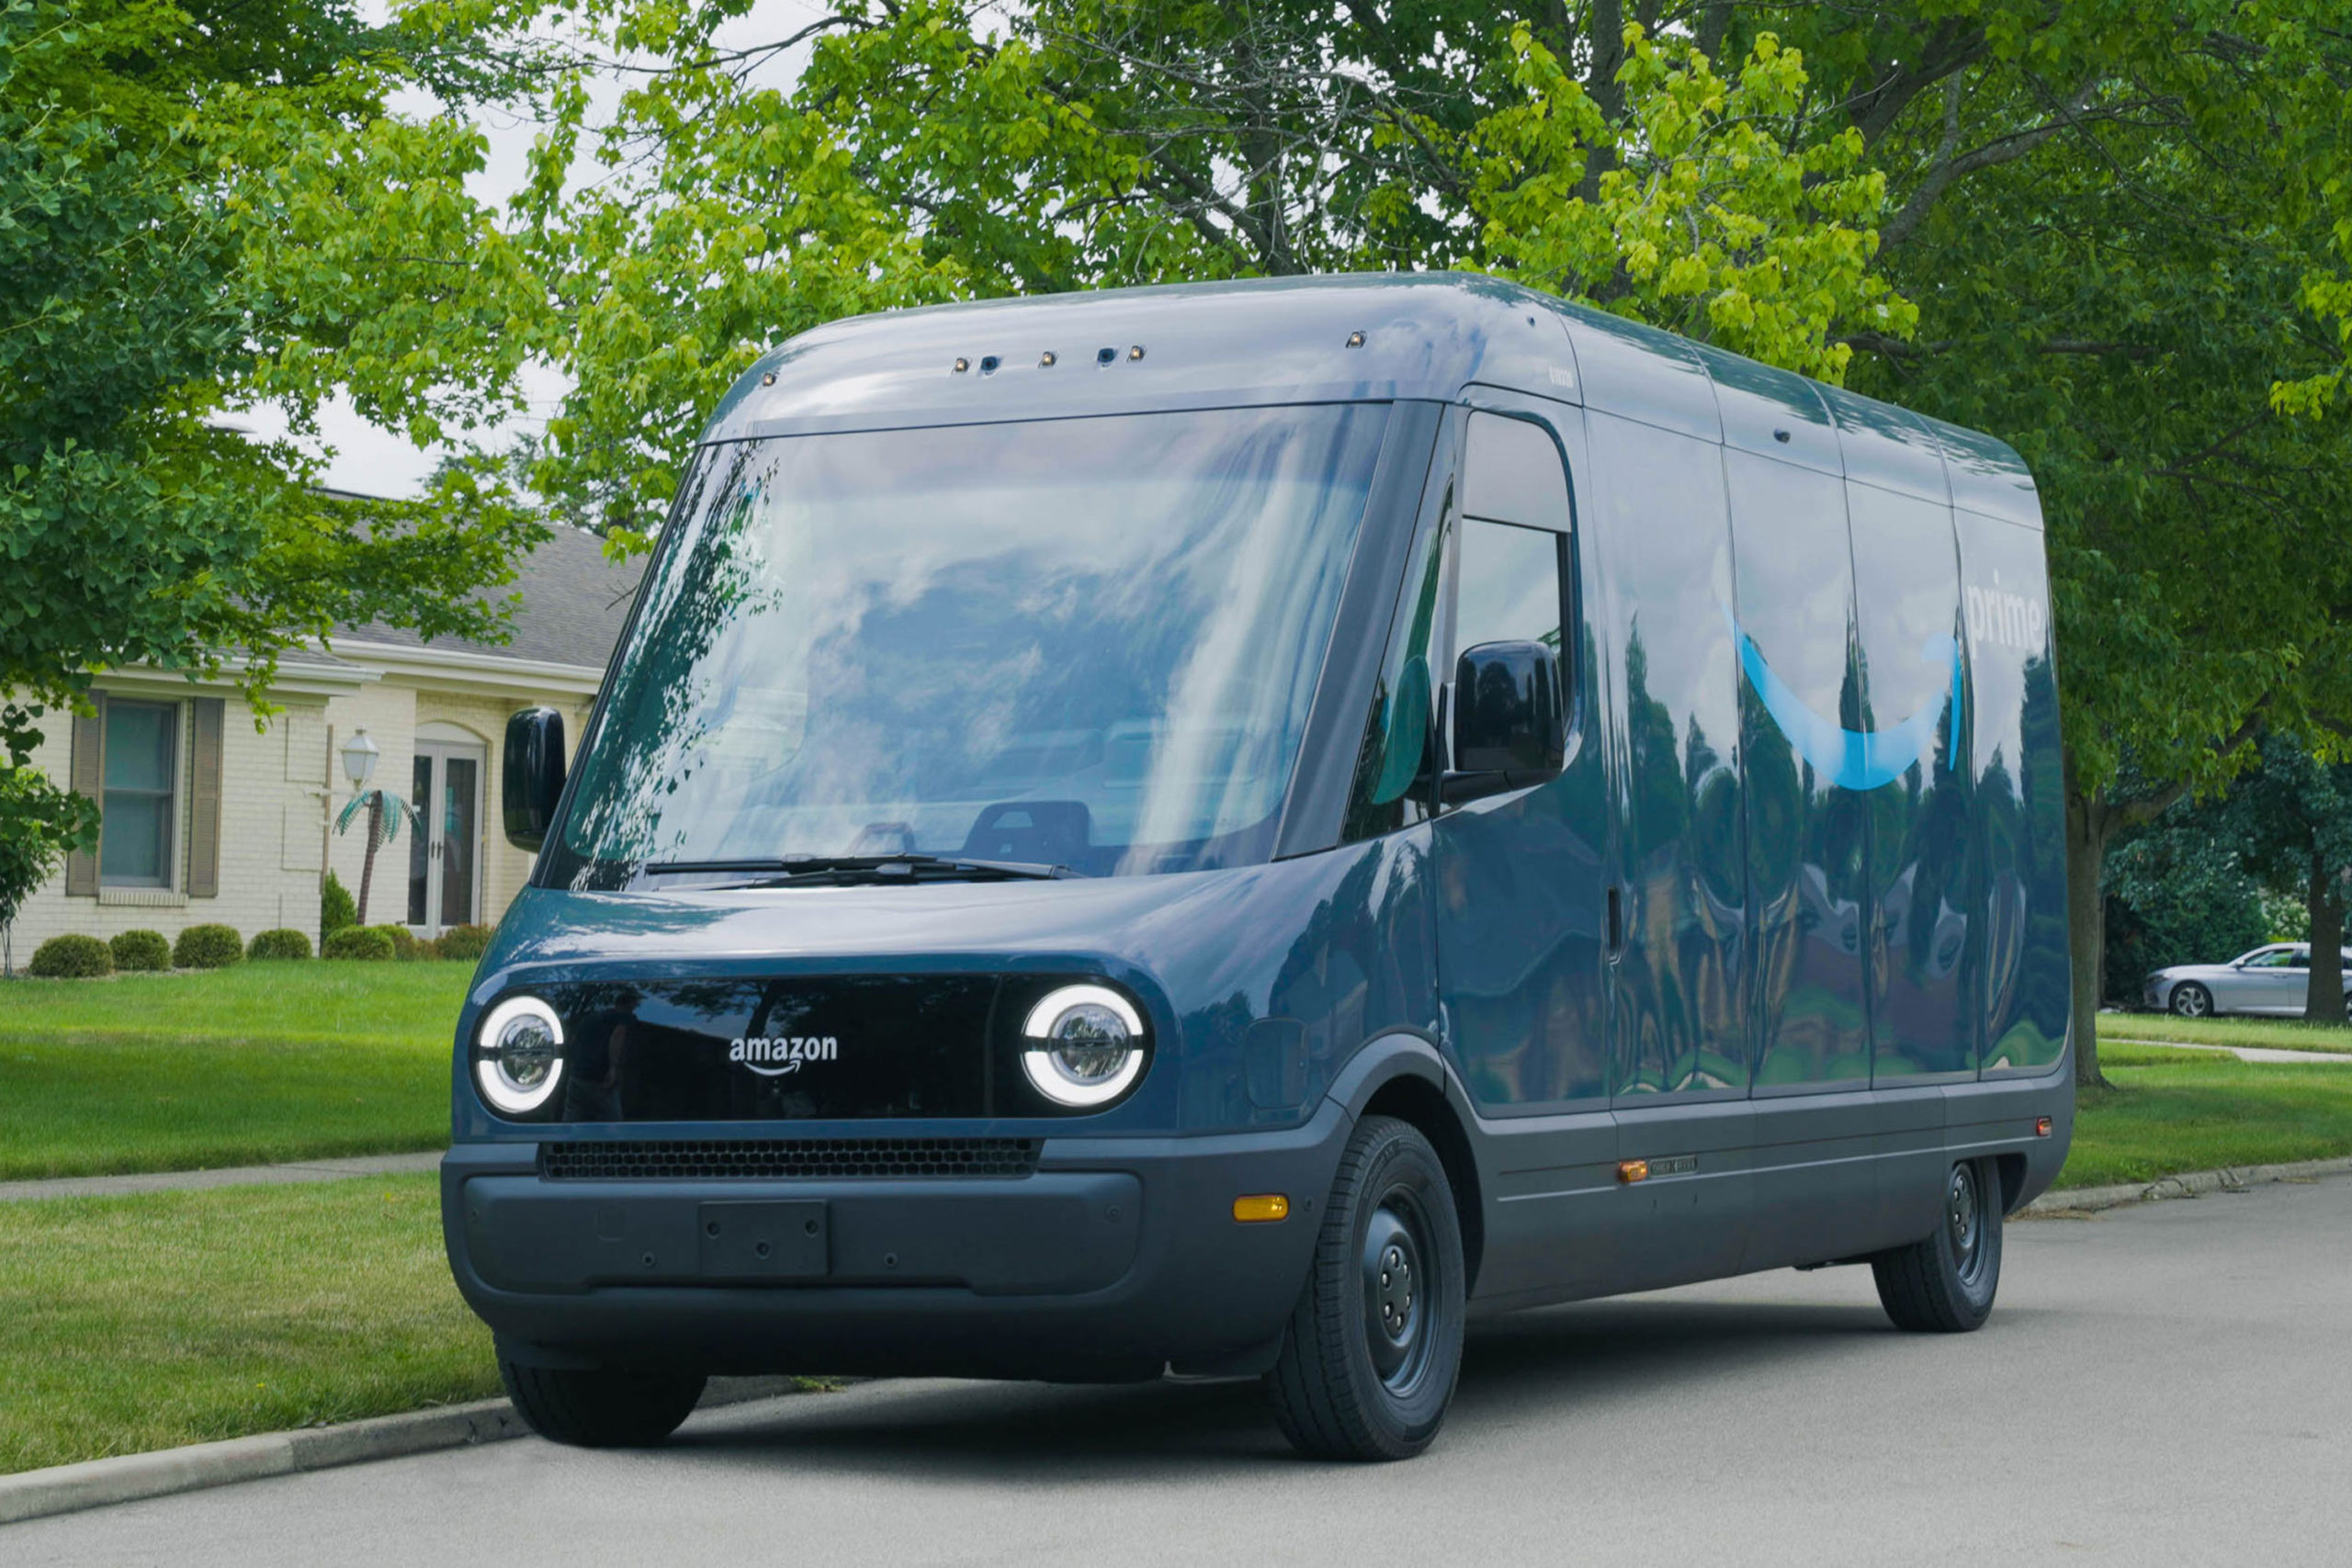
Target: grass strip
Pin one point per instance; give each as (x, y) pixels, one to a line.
(2179, 1110)
(147, 1322)
(2275, 1033)
(259, 1062)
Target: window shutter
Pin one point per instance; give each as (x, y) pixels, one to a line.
(87, 778)
(204, 802)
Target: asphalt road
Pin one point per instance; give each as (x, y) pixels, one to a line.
(2167, 1383)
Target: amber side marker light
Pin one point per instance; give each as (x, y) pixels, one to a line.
(1633, 1171)
(2041, 1127)
(1261, 1208)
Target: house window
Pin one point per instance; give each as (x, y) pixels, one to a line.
(140, 802)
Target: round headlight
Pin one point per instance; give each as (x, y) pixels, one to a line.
(518, 1056)
(1083, 1045)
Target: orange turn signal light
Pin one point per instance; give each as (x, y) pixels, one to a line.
(1261, 1207)
(2041, 1127)
(1633, 1171)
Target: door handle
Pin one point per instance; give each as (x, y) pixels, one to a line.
(1616, 932)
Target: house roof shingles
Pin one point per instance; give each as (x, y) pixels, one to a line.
(574, 603)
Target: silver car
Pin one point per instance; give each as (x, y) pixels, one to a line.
(2276, 978)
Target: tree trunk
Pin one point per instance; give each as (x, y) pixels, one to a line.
(2323, 1003)
(2086, 832)
(367, 865)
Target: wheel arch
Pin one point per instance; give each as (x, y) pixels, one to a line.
(1404, 1076)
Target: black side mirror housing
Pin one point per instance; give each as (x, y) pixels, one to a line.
(1509, 721)
(532, 778)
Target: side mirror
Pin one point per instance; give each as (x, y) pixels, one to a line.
(531, 777)
(1510, 724)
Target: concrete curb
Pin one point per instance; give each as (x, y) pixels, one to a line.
(126, 1478)
(2195, 1183)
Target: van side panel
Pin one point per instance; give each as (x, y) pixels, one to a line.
(1908, 603)
(1679, 986)
(1663, 538)
(1804, 830)
(2025, 984)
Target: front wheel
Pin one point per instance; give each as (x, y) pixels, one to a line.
(2190, 1000)
(604, 1408)
(1945, 1283)
(1370, 1357)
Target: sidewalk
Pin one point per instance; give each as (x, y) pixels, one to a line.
(2243, 1052)
(235, 1176)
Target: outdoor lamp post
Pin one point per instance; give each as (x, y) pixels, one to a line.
(359, 754)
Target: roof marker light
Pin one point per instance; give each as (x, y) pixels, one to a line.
(1046, 360)
(1355, 340)
(962, 365)
(1135, 352)
(768, 379)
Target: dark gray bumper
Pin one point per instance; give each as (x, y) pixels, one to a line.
(1117, 1257)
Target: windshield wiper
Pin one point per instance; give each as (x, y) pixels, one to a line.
(796, 871)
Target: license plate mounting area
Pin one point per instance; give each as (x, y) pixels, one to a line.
(775, 1239)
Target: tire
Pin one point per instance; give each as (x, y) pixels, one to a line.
(2190, 1000)
(1945, 1283)
(1371, 1353)
(604, 1408)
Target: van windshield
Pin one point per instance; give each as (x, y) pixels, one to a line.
(1087, 643)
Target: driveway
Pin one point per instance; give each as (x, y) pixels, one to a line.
(2167, 1383)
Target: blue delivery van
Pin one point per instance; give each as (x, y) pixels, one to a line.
(1232, 828)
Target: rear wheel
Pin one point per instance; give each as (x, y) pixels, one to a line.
(604, 1408)
(1945, 1283)
(1370, 1357)
(2190, 1000)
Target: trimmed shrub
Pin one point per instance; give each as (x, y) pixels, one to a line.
(141, 950)
(364, 943)
(336, 908)
(405, 947)
(72, 958)
(207, 947)
(283, 942)
(464, 943)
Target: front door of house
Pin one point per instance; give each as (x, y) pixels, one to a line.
(445, 860)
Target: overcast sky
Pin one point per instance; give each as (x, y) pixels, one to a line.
(372, 461)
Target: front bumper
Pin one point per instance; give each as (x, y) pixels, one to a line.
(1117, 1257)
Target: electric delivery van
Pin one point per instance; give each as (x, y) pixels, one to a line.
(1231, 828)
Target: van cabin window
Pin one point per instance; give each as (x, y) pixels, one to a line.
(1511, 572)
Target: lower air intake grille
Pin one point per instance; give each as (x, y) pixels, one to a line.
(741, 1160)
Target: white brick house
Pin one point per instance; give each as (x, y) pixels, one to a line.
(209, 817)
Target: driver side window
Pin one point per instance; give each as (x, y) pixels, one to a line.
(1511, 567)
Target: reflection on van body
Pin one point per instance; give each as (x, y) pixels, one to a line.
(1396, 769)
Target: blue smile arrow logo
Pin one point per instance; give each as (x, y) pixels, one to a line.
(1853, 759)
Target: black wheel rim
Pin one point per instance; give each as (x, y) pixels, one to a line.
(1398, 1291)
(1964, 1222)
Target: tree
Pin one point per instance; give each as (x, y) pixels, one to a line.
(2291, 820)
(920, 158)
(2176, 892)
(203, 206)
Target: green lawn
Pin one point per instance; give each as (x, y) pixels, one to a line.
(2179, 1110)
(128, 1323)
(2277, 1033)
(258, 1062)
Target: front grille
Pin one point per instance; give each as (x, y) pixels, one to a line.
(743, 1159)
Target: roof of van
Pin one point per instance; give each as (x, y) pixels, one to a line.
(1345, 338)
